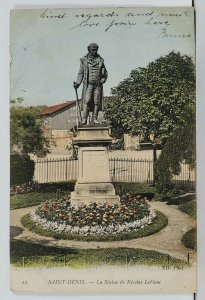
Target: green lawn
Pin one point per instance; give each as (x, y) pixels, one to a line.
(47, 191)
(26, 254)
(143, 189)
(160, 222)
(30, 199)
(30, 254)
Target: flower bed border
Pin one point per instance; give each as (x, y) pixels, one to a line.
(97, 229)
(160, 222)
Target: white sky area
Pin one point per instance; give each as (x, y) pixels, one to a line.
(45, 51)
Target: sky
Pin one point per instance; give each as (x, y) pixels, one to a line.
(46, 46)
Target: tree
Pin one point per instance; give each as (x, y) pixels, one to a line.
(21, 169)
(154, 100)
(26, 137)
(180, 146)
(26, 134)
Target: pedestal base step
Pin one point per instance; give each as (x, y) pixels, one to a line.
(109, 199)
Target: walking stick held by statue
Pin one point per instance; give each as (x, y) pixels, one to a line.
(78, 106)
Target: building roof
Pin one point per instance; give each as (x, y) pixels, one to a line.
(55, 108)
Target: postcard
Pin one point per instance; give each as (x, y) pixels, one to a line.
(102, 129)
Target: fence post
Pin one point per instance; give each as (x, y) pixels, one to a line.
(126, 257)
(113, 175)
(43, 261)
(148, 176)
(189, 177)
(188, 258)
(153, 172)
(47, 170)
(23, 262)
(66, 169)
(168, 261)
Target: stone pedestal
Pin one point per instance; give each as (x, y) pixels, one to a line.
(93, 184)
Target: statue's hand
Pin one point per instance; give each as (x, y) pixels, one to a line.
(76, 85)
(102, 80)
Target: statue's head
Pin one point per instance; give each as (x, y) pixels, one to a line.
(93, 49)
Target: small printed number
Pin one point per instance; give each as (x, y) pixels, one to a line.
(24, 282)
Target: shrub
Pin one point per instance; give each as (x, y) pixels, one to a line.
(189, 208)
(21, 169)
(179, 147)
(189, 239)
(54, 186)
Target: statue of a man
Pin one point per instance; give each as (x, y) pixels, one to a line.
(93, 74)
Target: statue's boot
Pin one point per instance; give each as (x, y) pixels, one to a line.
(85, 114)
(95, 115)
(84, 122)
(95, 121)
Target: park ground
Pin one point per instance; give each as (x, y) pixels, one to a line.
(160, 257)
(167, 240)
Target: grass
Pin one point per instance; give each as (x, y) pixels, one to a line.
(189, 208)
(49, 191)
(46, 192)
(160, 222)
(26, 254)
(29, 254)
(143, 189)
(30, 199)
(176, 196)
(189, 239)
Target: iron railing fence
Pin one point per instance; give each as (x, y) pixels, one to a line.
(131, 170)
(121, 170)
(55, 170)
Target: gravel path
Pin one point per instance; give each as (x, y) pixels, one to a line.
(167, 240)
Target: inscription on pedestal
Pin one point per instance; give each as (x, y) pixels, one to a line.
(98, 191)
(95, 165)
(94, 183)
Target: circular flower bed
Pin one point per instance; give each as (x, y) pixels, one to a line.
(131, 213)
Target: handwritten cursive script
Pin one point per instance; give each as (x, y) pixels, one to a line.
(165, 34)
(152, 21)
(47, 14)
(120, 18)
(128, 24)
(96, 16)
(86, 23)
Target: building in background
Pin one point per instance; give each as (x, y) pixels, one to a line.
(58, 124)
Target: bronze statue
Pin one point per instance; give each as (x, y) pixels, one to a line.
(93, 74)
